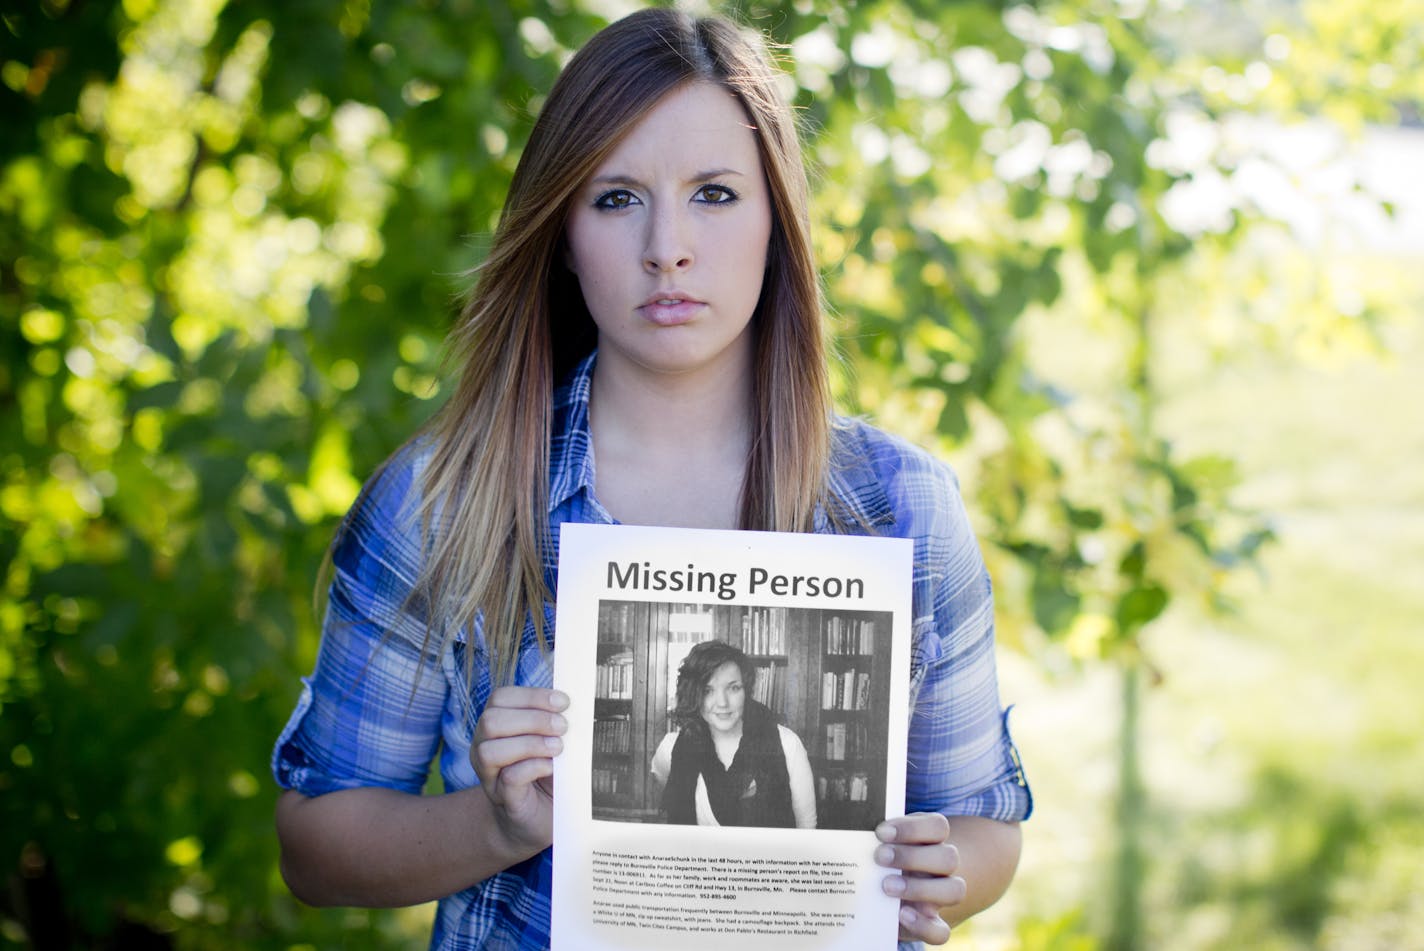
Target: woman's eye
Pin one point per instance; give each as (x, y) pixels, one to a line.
(716, 195)
(618, 198)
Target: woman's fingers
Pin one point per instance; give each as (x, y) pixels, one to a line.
(520, 729)
(933, 890)
(918, 846)
(525, 772)
(491, 757)
(513, 710)
(500, 722)
(942, 859)
(918, 828)
(917, 843)
(919, 922)
(927, 873)
(534, 698)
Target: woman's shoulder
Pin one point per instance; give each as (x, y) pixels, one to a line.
(890, 456)
(661, 764)
(386, 514)
(396, 481)
(789, 738)
(921, 491)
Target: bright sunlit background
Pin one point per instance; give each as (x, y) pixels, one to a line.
(1148, 272)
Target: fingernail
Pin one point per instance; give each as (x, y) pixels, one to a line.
(884, 855)
(894, 886)
(963, 887)
(558, 723)
(907, 916)
(885, 832)
(559, 700)
(553, 743)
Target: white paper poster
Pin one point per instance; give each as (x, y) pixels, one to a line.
(737, 730)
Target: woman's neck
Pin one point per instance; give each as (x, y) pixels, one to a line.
(726, 745)
(670, 449)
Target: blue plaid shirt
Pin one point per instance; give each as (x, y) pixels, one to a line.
(358, 723)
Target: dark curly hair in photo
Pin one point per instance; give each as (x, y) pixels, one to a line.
(696, 670)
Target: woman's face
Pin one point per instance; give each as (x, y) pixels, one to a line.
(669, 238)
(723, 699)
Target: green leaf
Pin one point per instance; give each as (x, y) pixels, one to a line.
(1140, 606)
(952, 420)
(1054, 603)
(1134, 562)
(1085, 518)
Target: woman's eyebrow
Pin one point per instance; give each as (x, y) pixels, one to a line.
(618, 178)
(712, 173)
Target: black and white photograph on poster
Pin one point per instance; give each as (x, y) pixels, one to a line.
(740, 715)
(738, 712)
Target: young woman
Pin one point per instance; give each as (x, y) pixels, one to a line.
(659, 215)
(730, 763)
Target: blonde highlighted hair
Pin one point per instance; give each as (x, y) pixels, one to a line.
(484, 499)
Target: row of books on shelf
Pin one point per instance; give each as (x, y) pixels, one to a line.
(615, 623)
(770, 687)
(845, 689)
(843, 741)
(610, 782)
(854, 787)
(764, 631)
(612, 735)
(849, 635)
(614, 677)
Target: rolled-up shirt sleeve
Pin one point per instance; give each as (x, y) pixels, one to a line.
(370, 712)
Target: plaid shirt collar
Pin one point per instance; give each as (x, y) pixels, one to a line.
(851, 480)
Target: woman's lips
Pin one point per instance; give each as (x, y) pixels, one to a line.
(668, 312)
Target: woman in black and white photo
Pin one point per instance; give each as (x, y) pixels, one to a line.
(730, 762)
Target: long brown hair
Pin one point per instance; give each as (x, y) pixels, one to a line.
(484, 504)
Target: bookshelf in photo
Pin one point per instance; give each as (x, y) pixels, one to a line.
(849, 750)
(764, 642)
(620, 682)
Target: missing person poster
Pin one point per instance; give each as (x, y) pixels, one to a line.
(737, 730)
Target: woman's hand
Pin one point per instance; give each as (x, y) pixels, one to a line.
(512, 753)
(918, 845)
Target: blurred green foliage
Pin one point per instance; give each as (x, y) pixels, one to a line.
(231, 236)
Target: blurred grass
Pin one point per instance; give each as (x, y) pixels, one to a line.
(1312, 690)
(1282, 747)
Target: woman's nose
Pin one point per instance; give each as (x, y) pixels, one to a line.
(668, 247)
